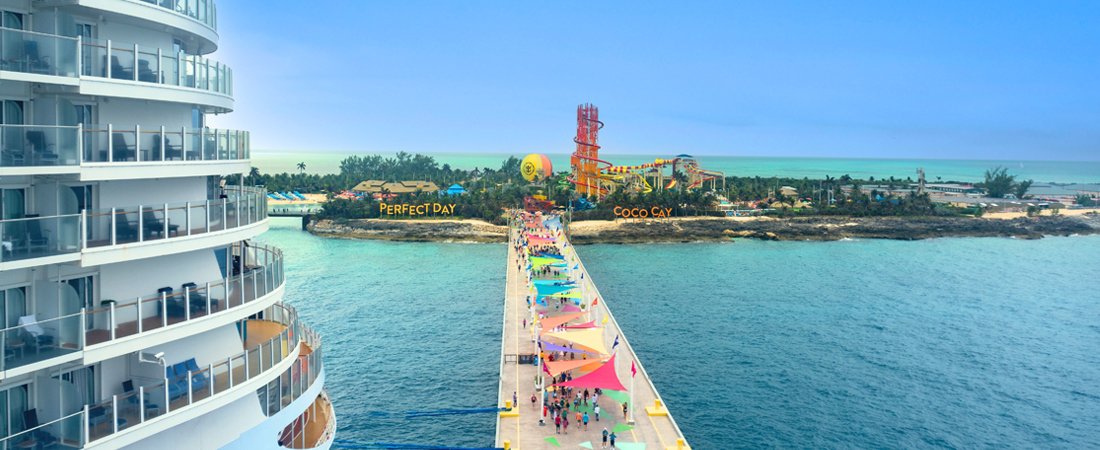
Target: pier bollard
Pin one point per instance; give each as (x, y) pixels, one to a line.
(679, 443)
(509, 411)
(508, 445)
(656, 409)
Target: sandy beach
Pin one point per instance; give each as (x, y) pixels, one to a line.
(310, 198)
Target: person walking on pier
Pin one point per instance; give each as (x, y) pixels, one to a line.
(565, 423)
(624, 417)
(585, 421)
(613, 439)
(596, 409)
(604, 445)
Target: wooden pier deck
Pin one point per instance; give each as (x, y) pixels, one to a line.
(656, 432)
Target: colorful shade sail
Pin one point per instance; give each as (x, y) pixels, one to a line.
(591, 324)
(550, 323)
(557, 367)
(571, 308)
(591, 338)
(548, 347)
(603, 378)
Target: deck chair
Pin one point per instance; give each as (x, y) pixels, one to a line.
(122, 151)
(35, 63)
(37, 335)
(30, 421)
(34, 236)
(117, 71)
(177, 387)
(40, 149)
(198, 380)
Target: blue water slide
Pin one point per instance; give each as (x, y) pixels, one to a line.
(300, 196)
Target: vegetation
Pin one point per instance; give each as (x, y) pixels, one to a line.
(999, 183)
(493, 190)
(1085, 200)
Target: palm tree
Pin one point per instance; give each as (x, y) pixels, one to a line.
(254, 174)
(302, 167)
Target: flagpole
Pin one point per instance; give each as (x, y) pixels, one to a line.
(630, 407)
(542, 390)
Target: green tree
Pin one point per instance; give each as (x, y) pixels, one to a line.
(1021, 188)
(253, 174)
(998, 182)
(1085, 200)
(302, 167)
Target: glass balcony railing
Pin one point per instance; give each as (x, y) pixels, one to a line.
(38, 53)
(38, 145)
(37, 237)
(53, 145)
(185, 385)
(262, 274)
(105, 143)
(33, 340)
(204, 11)
(120, 61)
(63, 432)
(116, 226)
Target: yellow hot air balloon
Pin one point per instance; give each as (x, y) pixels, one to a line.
(536, 167)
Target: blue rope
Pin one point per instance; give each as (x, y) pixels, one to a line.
(344, 443)
(444, 412)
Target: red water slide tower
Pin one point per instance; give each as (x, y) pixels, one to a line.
(585, 171)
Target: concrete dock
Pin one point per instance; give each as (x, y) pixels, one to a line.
(654, 427)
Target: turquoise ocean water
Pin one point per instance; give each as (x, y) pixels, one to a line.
(278, 161)
(944, 343)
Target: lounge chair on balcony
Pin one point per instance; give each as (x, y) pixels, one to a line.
(35, 63)
(126, 229)
(145, 73)
(36, 335)
(117, 71)
(155, 225)
(40, 438)
(34, 240)
(177, 383)
(171, 152)
(199, 379)
(122, 151)
(40, 150)
(198, 299)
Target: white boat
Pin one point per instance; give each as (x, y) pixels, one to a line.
(137, 313)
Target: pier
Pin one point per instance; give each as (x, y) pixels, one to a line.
(650, 426)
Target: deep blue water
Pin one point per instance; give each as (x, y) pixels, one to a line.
(946, 343)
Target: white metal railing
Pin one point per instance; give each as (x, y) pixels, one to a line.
(40, 340)
(263, 276)
(184, 386)
(204, 11)
(114, 226)
(38, 53)
(62, 145)
(64, 431)
(104, 58)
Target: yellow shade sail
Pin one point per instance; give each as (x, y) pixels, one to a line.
(591, 338)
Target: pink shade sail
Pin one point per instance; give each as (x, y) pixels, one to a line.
(603, 378)
(571, 308)
(557, 367)
(551, 323)
(591, 324)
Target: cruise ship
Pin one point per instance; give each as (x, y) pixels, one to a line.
(137, 311)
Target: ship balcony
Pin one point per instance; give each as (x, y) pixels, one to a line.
(38, 57)
(104, 236)
(107, 152)
(112, 235)
(201, 11)
(315, 428)
(36, 344)
(273, 356)
(118, 328)
(103, 67)
(35, 241)
(104, 60)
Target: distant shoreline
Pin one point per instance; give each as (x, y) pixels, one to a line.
(695, 229)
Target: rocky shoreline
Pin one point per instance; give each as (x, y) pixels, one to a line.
(721, 229)
(412, 230)
(830, 229)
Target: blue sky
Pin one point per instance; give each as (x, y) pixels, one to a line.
(1000, 80)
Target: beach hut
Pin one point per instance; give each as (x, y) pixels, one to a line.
(455, 190)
